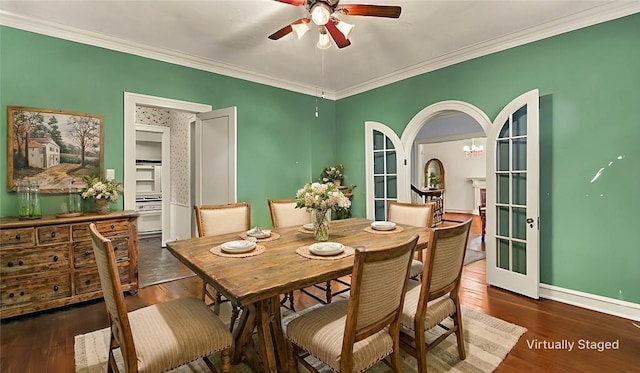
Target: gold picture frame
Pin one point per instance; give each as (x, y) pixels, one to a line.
(55, 148)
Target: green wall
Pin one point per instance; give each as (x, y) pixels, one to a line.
(281, 144)
(589, 82)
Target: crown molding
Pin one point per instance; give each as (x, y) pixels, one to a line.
(60, 31)
(603, 13)
(599, 14)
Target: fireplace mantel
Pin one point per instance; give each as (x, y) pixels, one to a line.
(477, 183)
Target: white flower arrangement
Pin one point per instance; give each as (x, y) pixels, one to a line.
(317, 196)
(101, 188)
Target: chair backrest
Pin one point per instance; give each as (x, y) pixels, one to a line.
(416, 214)
(378, 286)
(285, 214)
(113, 296)
(444, 261)
(220, 219)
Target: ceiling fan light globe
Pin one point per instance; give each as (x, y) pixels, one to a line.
(345, 28)
(300, 29)
(323, 41)
(320, 14)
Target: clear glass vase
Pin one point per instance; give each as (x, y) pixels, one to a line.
(320, 225)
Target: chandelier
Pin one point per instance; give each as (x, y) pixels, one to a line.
(473, 150)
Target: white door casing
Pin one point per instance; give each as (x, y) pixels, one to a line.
(510, 214)
(404, 166)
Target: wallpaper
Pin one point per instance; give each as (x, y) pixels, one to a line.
(179, 138)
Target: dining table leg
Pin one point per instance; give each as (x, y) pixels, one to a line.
(273, 346)
(243, 332)
(264, 317)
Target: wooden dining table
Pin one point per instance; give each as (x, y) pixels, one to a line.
(255, 283)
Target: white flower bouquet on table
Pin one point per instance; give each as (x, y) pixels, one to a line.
(319, 198)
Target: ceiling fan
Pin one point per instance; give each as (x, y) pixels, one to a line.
(324, 14)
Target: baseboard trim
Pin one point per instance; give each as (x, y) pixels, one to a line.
(593, 302)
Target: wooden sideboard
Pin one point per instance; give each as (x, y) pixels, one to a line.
(48, 262)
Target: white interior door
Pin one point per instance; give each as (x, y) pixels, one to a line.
(215, 173)
(386, 169)
(512, 243)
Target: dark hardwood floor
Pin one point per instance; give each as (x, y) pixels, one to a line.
(43, 342)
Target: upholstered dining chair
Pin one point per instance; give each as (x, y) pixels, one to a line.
(285, 214)
(221, 219)
(416, 214)
(351, 335)
(162, 336)
(435, 298)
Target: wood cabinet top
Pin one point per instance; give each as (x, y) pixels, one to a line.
(14, 222)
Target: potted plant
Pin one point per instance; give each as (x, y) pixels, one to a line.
(333, 174)
(434, 181)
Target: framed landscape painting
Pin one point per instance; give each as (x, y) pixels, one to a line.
(54, 148)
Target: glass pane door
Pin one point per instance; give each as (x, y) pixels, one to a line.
(385, 174)
(511, 194)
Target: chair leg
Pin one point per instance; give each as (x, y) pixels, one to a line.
(225, 360)
(421, 351)
(457, 322)
(328, 292)
(234, 315)
(292, 363)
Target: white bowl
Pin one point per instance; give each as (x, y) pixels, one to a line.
(257, 234)
(326, 248)
(237, 247)
(308, 226)
(383, 225)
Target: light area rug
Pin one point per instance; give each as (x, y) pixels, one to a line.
(488, 340)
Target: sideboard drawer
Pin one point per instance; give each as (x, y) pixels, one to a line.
(80, 232)
(83, 251)
(19, 261)
(17, 237)
(34, 289)
(88, 281)
(54, 234)
(113, 228)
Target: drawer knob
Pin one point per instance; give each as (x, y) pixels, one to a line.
(17, 236)
(53, 234)
(10, 264)
(55, 258)
(87, 253)
(87, 282)
(55, 288)
(115, 248)
(20, 262)
(21, 293)
(11, 295)
(113, 226)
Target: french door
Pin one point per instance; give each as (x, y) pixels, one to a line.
(512, 243)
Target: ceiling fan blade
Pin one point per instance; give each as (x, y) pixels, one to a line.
(337, 36)
(293, 2)
(286, 29)
(390, 11)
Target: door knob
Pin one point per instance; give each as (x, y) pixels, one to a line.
(530, 222)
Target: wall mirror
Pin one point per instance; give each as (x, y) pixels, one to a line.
(434, 174)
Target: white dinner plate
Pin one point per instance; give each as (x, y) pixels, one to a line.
(326, 248)
(237, 247)
(257, 234)
(383, 225)
(308, 226)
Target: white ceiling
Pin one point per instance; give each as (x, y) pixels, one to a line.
(230, 37)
